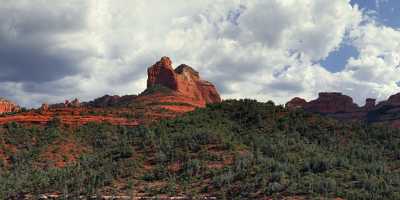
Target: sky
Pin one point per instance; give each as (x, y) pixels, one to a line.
(260, 49)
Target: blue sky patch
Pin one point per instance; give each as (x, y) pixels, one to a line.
(386, 12)
(337, 60)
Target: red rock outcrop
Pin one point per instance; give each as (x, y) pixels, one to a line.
(342, 107)
(394, 99)
(184, 81)
(7, 106)
(162, 73)
(75, 103)
(296, 103)
(105, 100)
(334, 102)
(369, 104)
(44, 107)
(67, 104)
(331, 102)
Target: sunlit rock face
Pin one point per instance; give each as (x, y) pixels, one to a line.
(184, 81)
(7, 106)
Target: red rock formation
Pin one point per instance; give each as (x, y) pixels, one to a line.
(369, 104)
(75, 103)
(8, 106)
(332, 102)
(341, 107)
(296, 103)
(162, 73)
(209, 92)
(394, 99)
(67, 104)
(44, 107)
(184, 80)
(170, 93)
(105, 100)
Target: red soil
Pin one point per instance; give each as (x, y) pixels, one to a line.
(61, 153)
(68, 116)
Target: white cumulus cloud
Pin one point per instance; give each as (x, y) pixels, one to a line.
(263, 49)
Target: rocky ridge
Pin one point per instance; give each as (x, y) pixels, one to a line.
(169, 92)
(340, 106)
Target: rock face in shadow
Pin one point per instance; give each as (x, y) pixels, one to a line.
(369, 104)
(7, 106)
(342, 107)
(111, 101)
(331, 102)
(386, 112)
(296, 103)
(394, 100)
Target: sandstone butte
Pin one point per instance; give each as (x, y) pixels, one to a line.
(7, 106)
(169, 93)
(184, 81)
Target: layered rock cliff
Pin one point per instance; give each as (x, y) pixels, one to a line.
(7, 106)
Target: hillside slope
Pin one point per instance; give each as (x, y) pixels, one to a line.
(239, 149)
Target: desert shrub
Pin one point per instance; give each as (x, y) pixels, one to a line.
(261, 150)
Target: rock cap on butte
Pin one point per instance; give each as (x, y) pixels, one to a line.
(183, 80)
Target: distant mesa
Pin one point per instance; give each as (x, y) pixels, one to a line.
(342, 107)
(330, 103)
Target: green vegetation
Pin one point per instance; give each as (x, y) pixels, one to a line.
(238, 149)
